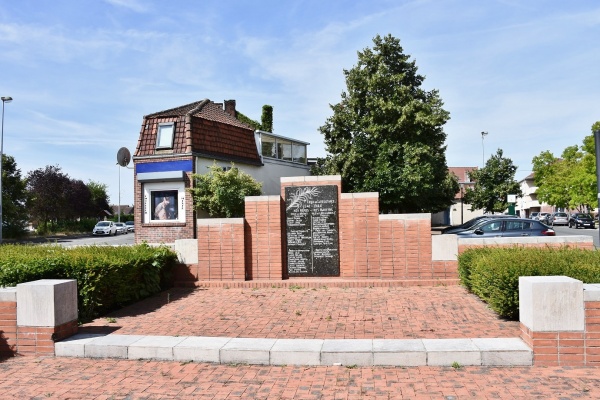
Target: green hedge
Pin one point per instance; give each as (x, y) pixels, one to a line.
(492, 273)
(107, 277)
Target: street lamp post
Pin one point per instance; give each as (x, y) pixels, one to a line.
(483, 134)
(6, 99)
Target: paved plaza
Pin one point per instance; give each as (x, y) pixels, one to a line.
(296, 313)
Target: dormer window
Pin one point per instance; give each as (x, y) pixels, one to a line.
(166, 133)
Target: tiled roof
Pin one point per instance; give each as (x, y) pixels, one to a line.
(462, 172)
(205, 109)
(214, 132)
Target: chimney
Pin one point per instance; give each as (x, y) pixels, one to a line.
(230, 107)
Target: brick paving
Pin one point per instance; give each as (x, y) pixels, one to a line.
(423, 312)
(318, 313)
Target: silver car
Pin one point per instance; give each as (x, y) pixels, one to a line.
(507, 227)
(559, 218)
(105, 228)
(121, 227)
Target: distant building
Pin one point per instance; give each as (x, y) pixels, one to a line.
(459, 211)
(529, 202)
(126, 209)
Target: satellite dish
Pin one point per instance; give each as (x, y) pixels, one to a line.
(123, 157)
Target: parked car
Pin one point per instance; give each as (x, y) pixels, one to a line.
(544, 217)
(472, 222)
(121, 227)
(535, 216)
(582, 220)
(105, 228)
(507, 227)
(559, 218)
(130, 226)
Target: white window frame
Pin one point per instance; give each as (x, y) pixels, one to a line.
(165, 135)
(149, 188)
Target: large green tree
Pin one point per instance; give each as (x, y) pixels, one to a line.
(14, 199)
(568, 181)
(493, 183)
(47, 187)
(386, 134)
(99, 197)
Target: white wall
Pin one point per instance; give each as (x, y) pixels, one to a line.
(268, 174)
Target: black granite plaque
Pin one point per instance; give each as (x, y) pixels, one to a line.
(312, 230)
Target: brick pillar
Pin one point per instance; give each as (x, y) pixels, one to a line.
(8, 322)
(264, 246)
(591, 296)
(359, 235)
(221, 249)
(551, 312)
(46, 312)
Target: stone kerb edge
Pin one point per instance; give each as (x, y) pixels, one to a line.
(364, 352)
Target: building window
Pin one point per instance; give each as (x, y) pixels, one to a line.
(299, 153)
(165, 204)
(272, 146)
(166, 133)
(284, 150)
(268, 147)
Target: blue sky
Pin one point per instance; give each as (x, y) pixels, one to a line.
(83, 73)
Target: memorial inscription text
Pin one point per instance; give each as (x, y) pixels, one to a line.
(312, 230)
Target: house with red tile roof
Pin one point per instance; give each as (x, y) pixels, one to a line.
(459, 211)
(174, 144)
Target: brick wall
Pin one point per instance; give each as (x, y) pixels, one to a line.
(371, 246)
(221, 249)
(263, 237)
(39, 341)
(18, 339)
(8, 328)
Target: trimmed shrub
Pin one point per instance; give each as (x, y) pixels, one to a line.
(107, 277)
(492, 273)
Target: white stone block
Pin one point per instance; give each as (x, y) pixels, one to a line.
(347, 352)
(46, 302)
(247, 351)
(445, 352)
(187, 250)
(444, 247)
(74, 346)
(200, 349)
(504, 351)
(8, 294)
(154, 347)
(110, 346)
(296, 352)
(399, 352)
(591, 292)
(551, 303)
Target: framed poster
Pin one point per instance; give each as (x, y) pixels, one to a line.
(164, 205)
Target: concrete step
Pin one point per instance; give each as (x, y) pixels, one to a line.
(347, 352)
